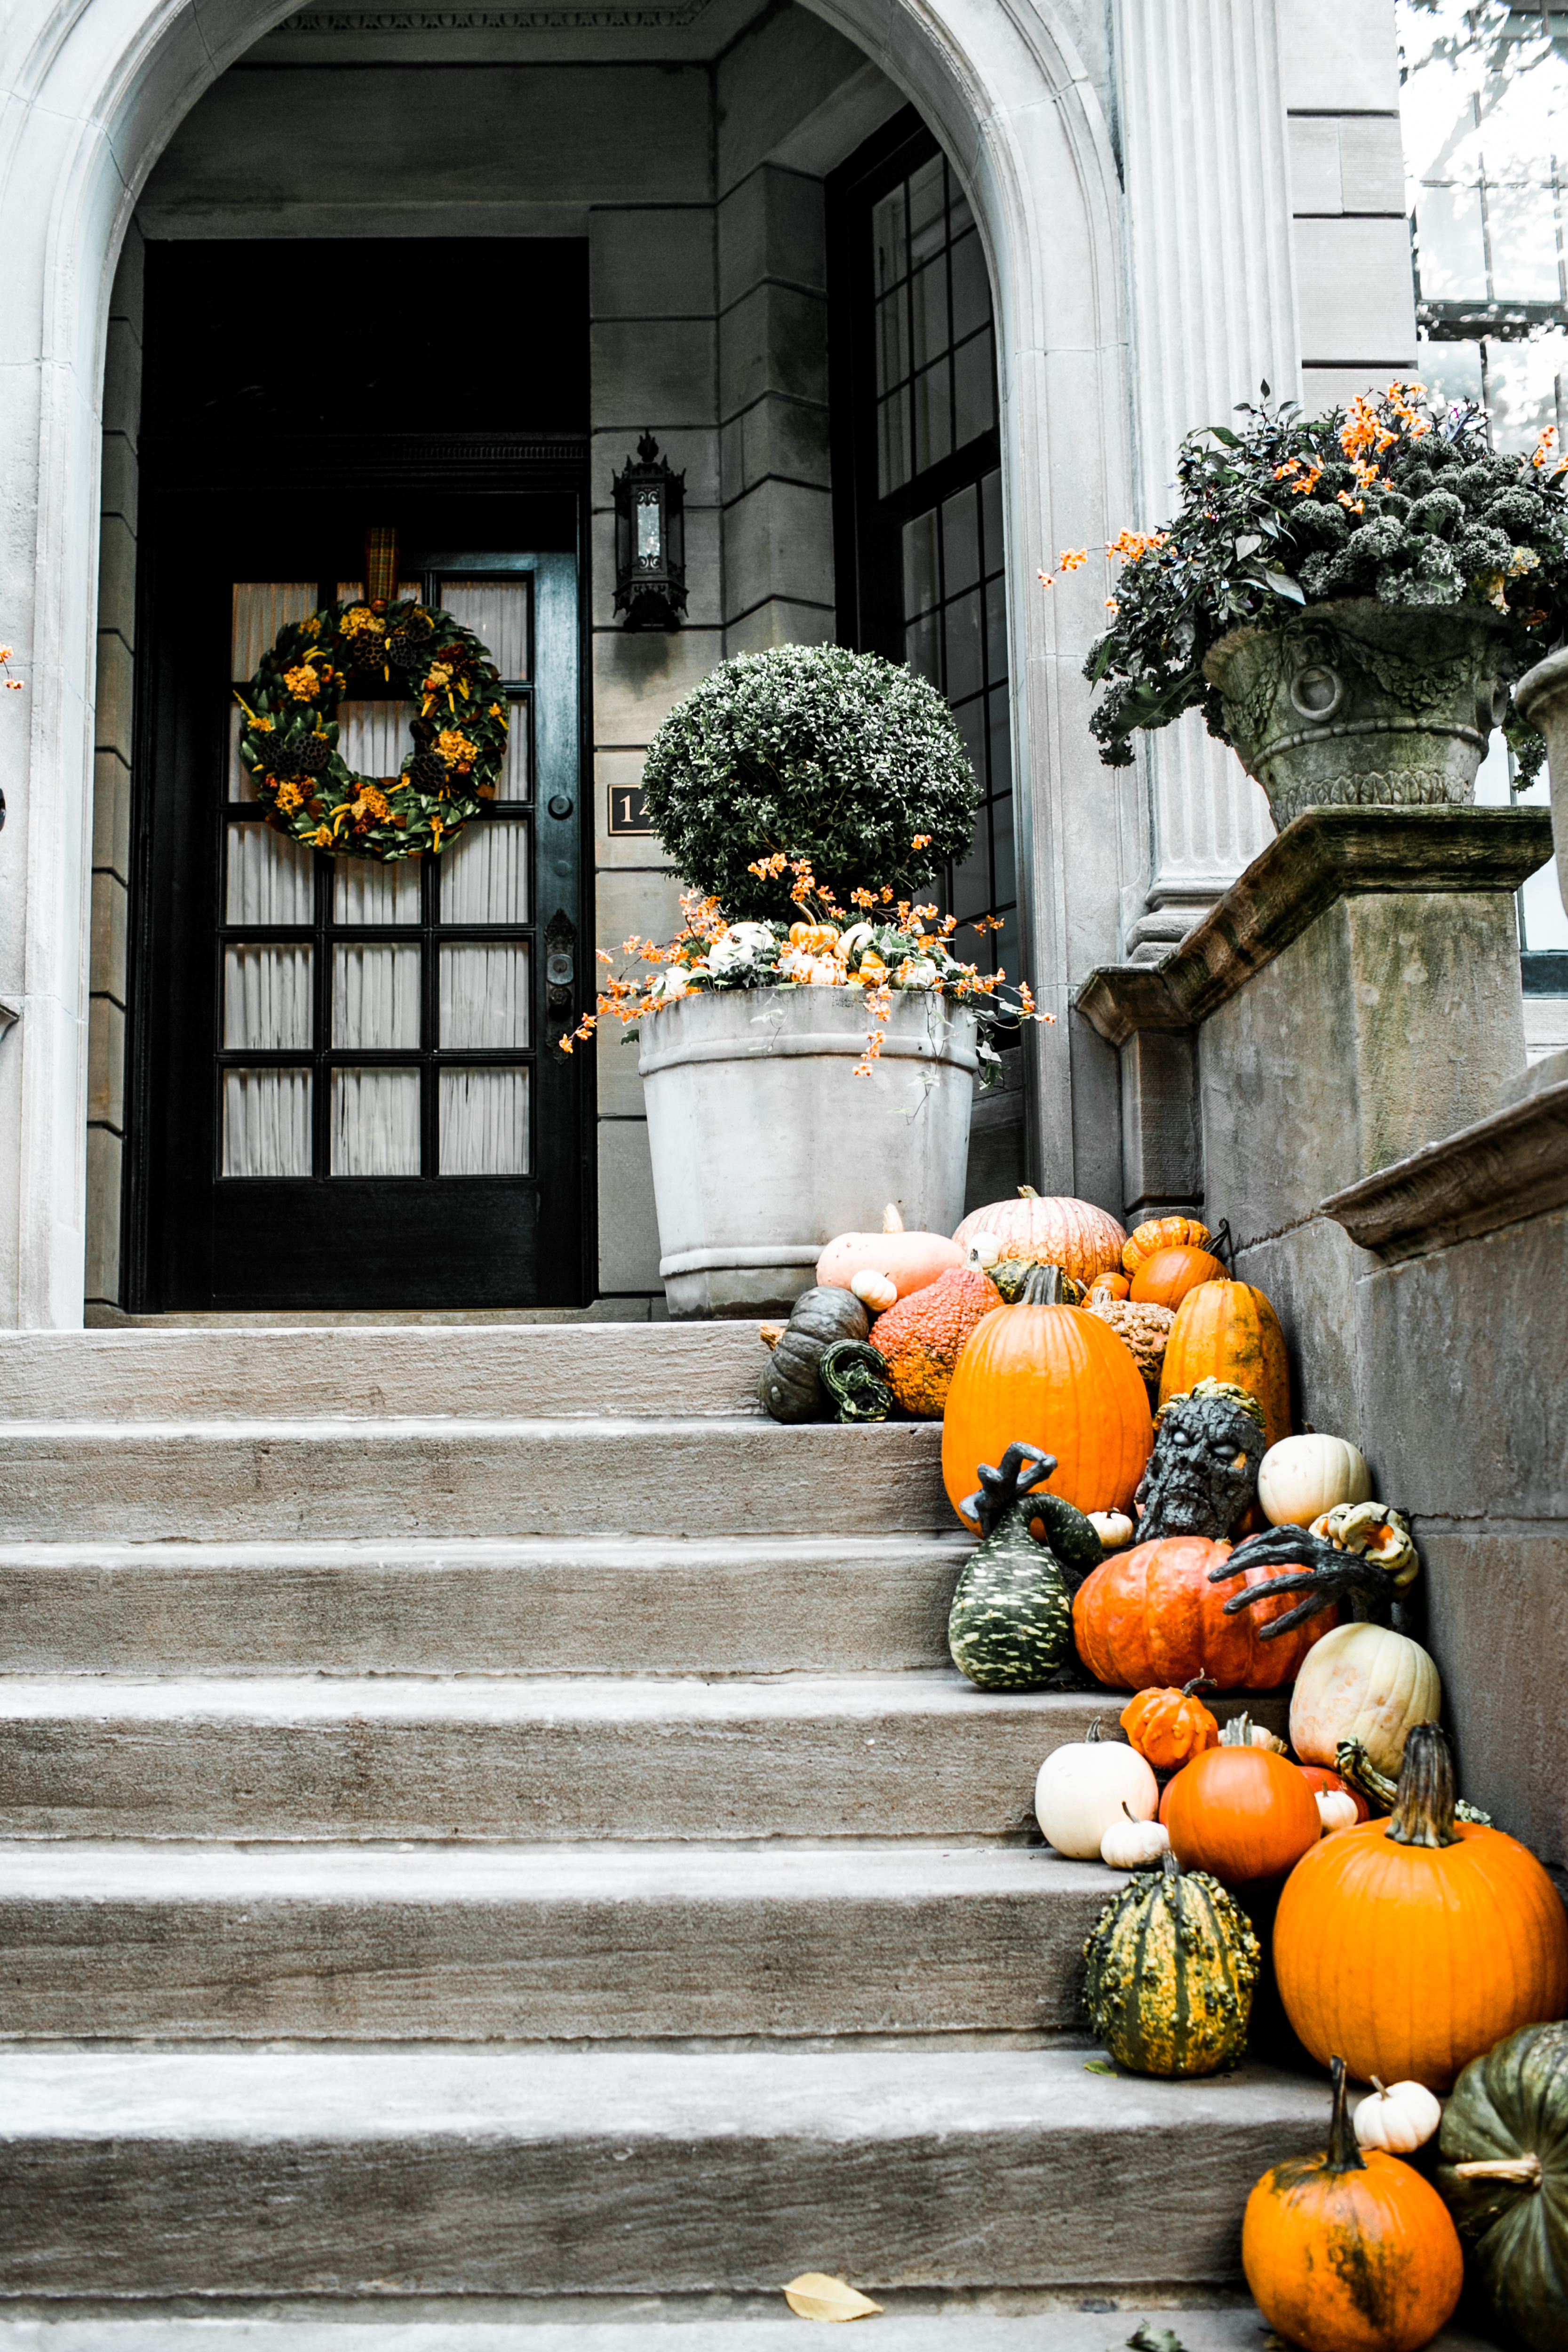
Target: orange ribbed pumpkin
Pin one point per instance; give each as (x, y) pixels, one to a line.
(922, 1337)
(1162, 1233)
(1150, 1617)
(1228, 1331)
(1056, 1378)
(1109, 1286)
(1240, 1812)
(1165, 1279)
(1074, 1234)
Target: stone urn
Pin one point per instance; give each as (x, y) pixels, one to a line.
(1541, 699)
(765, 1144)
(1361, 704)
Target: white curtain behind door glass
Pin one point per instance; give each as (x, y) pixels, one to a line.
(366, 891)
(484, 876)
(376, 1123)
(484, 995)
(484, 1122)
(375, 998)
(261, 607)
(241, 784)
(497, 612)
(373, 737)
(270, 880)
(267, 1122)
(512, 784)
(266, 999)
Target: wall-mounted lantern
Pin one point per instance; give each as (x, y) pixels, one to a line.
(650, 541)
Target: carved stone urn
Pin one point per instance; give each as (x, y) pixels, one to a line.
(1542, 697)
(1357, 703)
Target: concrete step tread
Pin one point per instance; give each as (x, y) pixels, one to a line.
(292, 1556)
(406, 1428)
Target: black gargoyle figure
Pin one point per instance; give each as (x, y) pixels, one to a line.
(1203, 1472)
(1070, 1535)
(1363, 1556)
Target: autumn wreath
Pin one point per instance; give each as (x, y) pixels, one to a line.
(289, 740)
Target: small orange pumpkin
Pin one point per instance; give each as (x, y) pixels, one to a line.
(922, 1337)
(1162, 1233)
(1228, 1331)
(1108, 1286)
(1150, 1616)
(1242, 1813)
(1170, 1727)
(1351, 2251)
(1082, 1240)
(1165, 1279)
(909, 1260)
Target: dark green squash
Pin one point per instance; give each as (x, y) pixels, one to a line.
(1172, 1964)
(1509, 2116)
(1010, 1626)
(788, 1386)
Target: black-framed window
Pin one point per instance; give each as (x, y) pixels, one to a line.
(917, 478)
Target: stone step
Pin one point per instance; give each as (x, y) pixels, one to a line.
(560, 1604)
(910, 2323)
(504, 2172)
(875, 1757)
(397, 1372)
(255, 1481)
(528, 1943)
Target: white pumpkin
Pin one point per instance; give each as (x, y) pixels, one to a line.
(1336, 1810)
(876, 1291)
(1081, 1789)
(1114, 1529)
(1398, 2118)
(1302, 1477)
(1134, 1845)
(1363, 1681)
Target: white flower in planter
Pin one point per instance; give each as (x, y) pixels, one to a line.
(742, 945)
(672, 983)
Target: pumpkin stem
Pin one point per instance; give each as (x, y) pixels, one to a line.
(892, 1221)
(1238, 1732)
(1094, 1731)
(1044, 1287)
(1028, 1192)
(1199, 1682)
(1524, 2171)
(1424, 1806)
(1343, 2154)
(770, 1334)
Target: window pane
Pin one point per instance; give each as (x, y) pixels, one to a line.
(927, 221)
(375, 998)
(921, 648)
(960, 541)
(1451, 371)
(991, 518)
(1522, 226)
(1000, 737)
(484, 876)
(972, 878)
(374, 738)
(974, 382)
(484, 1122)
(241, 783)
(1522, 382)
(267, 1123)
(271, 880)
(970, 721)
(892, 442)
(1002, 852)
(1450, 248)
(497, 612)
(376, 1123)
(366, 891)
(262, 607)
(1544, 918)
(933, 417)
(970, 291)
(889, 238)
(996, 629)
(920, 564)
(484, 995)
(928, 304)
(961, 631)
(892, 340)
(267, 1005)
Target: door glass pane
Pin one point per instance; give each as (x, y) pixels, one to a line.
(497, 612)
(484, 1122)
(373, 737)
(241, 783)
(366, 891)
(484, 995)
(513, 783)
(271, 879)
(484, 876)
(267, 1122)
(262, 607)
(375, 998)
(352, 592)
(376, 1123)
(266, 999)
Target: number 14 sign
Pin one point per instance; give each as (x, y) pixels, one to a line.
(629, 811)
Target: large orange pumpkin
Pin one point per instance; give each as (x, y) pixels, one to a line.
(1074, 1234)
(1412, 1945)
(1228, 1331)
(1165, 1279)
(1351, 2251)
(1056, 1378)
(1150, 1617)
(922, 1337)
(1241, 1812)
(1162, 1233)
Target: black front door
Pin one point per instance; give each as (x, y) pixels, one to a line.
(351, 1091)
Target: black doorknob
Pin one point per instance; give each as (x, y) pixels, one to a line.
(559, 806)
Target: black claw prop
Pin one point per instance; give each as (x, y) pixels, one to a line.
(1324, 1574)
(1023, 1468)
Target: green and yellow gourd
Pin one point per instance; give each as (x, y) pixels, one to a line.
(1010, 1626)
(1171, 1965)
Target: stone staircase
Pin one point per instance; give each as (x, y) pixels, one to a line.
(495, 1854)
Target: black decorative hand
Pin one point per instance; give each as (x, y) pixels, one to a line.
(1324, 1574)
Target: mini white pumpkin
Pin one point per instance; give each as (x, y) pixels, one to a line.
(1134, 1845)
(875, 1290)
(1398, 2118)
(984, 1249)
(1082, 1788)
(1114, 1529)
(1363, 1681)
(1301, 1477)
(1336, 1810)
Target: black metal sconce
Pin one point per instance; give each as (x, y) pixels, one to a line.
(650, 541)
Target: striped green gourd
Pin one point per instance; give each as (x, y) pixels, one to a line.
(1172, 1964)
(1010, 1626)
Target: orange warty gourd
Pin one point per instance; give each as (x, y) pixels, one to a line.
(1074, 1234)
(1415, 1943)
(1162, 1233)
(1148, 1617)
(1053, 1377)
(922, 1337)
(1241, 1812)
(1169, 1727)
(1351, 2251)
(1165, 1279)
(1228, 1331)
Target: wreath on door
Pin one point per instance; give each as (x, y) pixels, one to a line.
(289, 740)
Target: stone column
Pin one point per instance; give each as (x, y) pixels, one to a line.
(1213, 314)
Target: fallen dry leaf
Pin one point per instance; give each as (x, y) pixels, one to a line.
(815, 2295)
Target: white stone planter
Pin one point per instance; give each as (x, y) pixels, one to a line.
(1541, 696)
(765, 1144)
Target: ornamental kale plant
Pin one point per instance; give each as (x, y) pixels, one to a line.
(809, 752)
(1398, 499)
